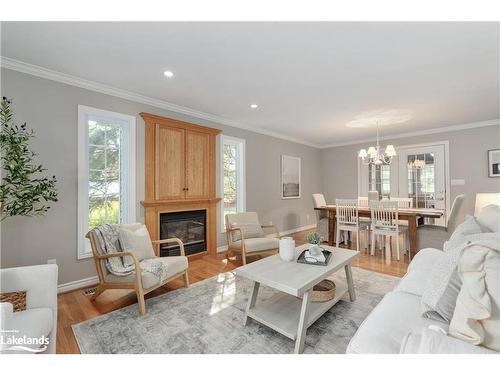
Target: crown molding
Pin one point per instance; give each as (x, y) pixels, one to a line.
(38, 71)
(444, 129)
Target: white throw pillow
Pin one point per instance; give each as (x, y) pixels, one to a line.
(248, 230)
(489, 217)
(477, 314)
(443, 285)
(136, 241)
(459, 237)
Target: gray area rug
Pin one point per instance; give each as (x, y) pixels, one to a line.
(208, 318)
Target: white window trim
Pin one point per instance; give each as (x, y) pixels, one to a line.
(83, 177)
(240, 176)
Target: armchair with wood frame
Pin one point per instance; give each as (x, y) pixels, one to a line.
(245, 235)
(141, 281)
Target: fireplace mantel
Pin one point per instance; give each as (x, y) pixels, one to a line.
(179, 173)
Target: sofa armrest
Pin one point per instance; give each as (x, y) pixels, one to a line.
(39, 282)
(435, 341)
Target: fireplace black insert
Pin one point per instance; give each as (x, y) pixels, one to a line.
(189, 227)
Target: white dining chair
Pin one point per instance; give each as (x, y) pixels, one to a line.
(348, 219)
(385, 222)
(402, 202)
(363, 202)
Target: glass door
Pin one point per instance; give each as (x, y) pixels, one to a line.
(422, 178)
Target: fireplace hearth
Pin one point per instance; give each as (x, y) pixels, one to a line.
(188, 226)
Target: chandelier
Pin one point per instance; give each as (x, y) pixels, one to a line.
(416, 164)
(374, 156)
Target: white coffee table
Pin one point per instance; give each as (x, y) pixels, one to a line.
(290, 311)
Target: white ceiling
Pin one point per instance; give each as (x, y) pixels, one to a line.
(309, 79)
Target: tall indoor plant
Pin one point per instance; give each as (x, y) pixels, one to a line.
(24, 191)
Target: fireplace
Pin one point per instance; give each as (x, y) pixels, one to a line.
(188, 226)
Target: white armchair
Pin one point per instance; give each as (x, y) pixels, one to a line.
(246, 235)
(40, 317)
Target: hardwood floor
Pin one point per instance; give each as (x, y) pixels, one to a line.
(75, 306)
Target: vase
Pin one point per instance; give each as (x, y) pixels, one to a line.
(287, 249)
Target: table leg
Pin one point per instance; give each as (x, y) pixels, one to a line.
(412, 235)
(350, 283)
(331, 228)
(252, 299)
(302, 327)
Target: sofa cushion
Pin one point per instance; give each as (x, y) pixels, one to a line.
(432, 341)
(416, 279)
(387, 325)
(259, 244)
(32, 323)
(489, 217)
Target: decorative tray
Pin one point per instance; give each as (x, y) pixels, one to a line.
(326, 253)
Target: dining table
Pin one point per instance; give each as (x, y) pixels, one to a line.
(411, 215)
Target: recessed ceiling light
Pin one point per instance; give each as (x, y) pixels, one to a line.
(253, 106)
(168, 74)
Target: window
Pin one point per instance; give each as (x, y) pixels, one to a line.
(379, 179)
(233, 176)
(421, 179)
(106, 171)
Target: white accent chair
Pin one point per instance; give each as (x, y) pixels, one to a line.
(434, 236)
(348, 220)
(385, 222)
(245, 235)
(142, 282)
(321, 216)
(40, 317)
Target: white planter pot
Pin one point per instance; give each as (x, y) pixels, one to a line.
(287, 249)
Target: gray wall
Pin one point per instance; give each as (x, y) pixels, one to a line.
(50, 108)
(468, 160)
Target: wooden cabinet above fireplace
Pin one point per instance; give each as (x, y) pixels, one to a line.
(179, 172)
(180, 160)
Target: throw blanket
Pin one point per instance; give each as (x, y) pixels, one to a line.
(109, 243)
(477, 316)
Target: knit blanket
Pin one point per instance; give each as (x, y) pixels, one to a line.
(109, 243)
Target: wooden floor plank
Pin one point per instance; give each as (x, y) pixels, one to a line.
(75, 307)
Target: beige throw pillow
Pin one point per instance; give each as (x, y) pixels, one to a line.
(137, 242)
(249, 231)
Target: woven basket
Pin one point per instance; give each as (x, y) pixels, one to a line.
(323, 291)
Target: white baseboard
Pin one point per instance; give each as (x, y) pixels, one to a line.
(77, 284)
(299, 229)
(223, 248)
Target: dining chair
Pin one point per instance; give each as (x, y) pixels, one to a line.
(373, 195)
(321, 216)
(363, 202)
(348, 219)
(385, 222)
(402, 202)
(434, 236)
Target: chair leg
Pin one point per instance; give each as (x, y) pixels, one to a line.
(186, 279)
(142, 303)
(357, 239)
(372, 243)
(337, 237)
(97, 293)
(397, 248)
(367, 239)
(243, 258)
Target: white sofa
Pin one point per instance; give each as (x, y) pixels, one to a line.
(396, 324)
(40, 317)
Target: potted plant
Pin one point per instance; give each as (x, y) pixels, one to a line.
(315, 239)
(23, 191)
